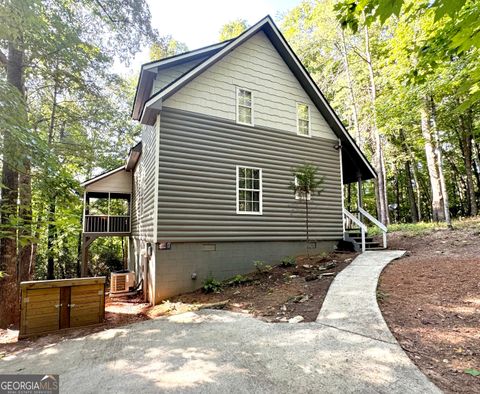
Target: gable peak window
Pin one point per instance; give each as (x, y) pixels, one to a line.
(303, 119)
(249, 190)
(244, 106)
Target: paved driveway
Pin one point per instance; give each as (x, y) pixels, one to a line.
(221, 352)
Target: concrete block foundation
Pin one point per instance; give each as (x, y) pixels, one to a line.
(185, 266)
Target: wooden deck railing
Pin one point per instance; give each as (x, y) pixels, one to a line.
(106, 224)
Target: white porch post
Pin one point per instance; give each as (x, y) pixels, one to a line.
(359, 193)
(341, 184)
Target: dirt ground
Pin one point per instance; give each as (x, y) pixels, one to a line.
(431, 302)
(283, 292)
(275, 296)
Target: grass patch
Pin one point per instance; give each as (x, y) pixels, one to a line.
(288, 261)
(262, 267)
(382, 296)
(238, 280)
(423, 228)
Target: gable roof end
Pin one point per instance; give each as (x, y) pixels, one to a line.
(355, 164)
(149, 70)
(101, 176)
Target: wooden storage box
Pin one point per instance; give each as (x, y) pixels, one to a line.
(51, 305)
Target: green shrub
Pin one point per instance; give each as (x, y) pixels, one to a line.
(211, 285)
(238, 280)
(261, 266)
(288, 261)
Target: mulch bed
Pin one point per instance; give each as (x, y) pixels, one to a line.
(431, 302)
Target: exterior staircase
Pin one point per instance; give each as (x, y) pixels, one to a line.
(370, 244)
(356, 230)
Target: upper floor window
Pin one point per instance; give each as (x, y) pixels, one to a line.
(300, 195)
(249, 190)
(244, 106)
(303, 119)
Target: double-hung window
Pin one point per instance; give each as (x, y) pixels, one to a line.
(249, 190)
(244, 106)
(303, 119)
(301, 195)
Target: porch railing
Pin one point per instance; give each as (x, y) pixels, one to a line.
(106, 224)
(351, 219)
(378, 224)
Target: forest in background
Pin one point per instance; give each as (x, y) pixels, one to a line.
(403, 77)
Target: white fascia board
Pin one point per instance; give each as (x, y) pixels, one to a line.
(183, 57)
(192, 73)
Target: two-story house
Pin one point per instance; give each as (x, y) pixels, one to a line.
(205, 192)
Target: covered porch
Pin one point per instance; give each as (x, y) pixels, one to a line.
(106, 213)
(106, 209)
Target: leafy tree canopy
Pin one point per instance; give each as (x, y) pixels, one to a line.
(166, 46)
(233, 29)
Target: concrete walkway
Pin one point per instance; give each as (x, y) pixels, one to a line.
(351, 306)
(220, 351)
(351, 302)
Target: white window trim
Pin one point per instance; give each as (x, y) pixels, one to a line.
(260, 212)
(237, 112)
(297, 196)
(309, 120)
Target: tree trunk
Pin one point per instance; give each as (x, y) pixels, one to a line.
(439, 158)
(353, 100)
(438, 212)
(306, 225)
(461, 187)
(476, 163)
(10, 305)
(50, 241)
(418, 194)
(25, 254)
(467, 136)
(79, 250)
(415, 176)
(397, 196)
(38, 227)
(411, 194)
(380, 183)
(51, 230)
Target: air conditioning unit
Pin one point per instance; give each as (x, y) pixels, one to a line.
(122, 282)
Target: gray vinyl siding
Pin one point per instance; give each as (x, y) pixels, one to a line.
(144, 187)
(197, 181)
(255, 65)
(169, 74)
